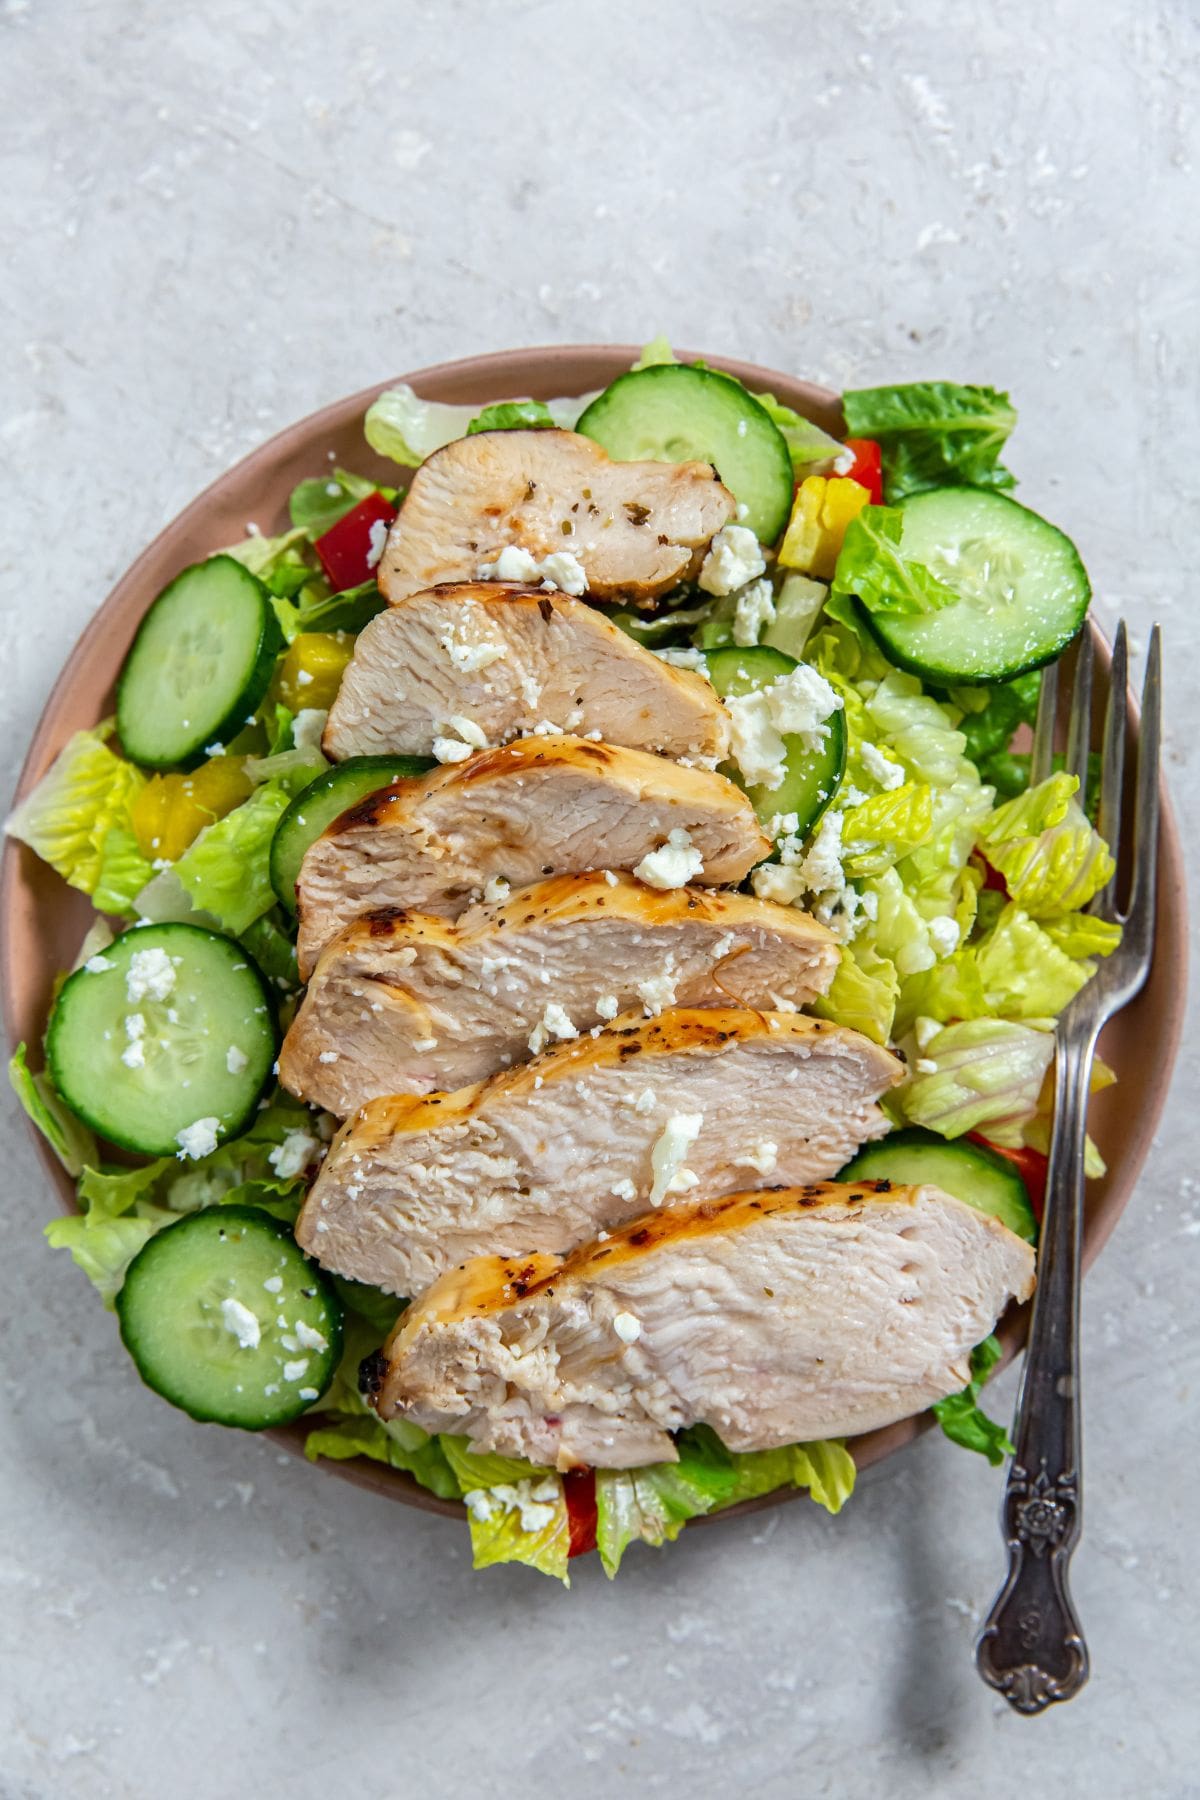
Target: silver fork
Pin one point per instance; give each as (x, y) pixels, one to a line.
(1031, 1649)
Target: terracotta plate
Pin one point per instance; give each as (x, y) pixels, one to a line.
(42, 921)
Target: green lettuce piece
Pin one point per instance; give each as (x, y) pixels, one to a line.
(987, 1075)
(69, 1138)
(934, 434)
(808, 446)
(283, 564)
(652, 1504)
(315, 608)
(407, 429)
(226, 872)
(963, 1419)
(352, 1435)
(122, 875)
(899, 932)
(1052, 860)
(879, 831)
(499, 1489)
(316, 506)
(86, 793)
(825, 1467)
(482, 1469)
(872, 568)
(273, 949)
(989, 724)
(657, 351)
(1083, 934)
(862, 994)
(103, 1248)
(951, 989)
(1023, 972)
(512, 415)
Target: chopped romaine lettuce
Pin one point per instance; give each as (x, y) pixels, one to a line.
(963, 1419)
(512, 415)
(517, 1512)
(122, 875)
(879, 831)
(69, 1138)
(983, 1075)
(1053, 862)
(652, 1504)
(84, 795)
(863, 993)
(933, 434)
(407, 429)
(872, 567)
(283, 564)
(317, 505)
(226, 872)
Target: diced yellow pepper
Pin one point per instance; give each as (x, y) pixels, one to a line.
(823, 508)
(172, 810)
(311, 672)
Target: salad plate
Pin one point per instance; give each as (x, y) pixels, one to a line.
(43, 922)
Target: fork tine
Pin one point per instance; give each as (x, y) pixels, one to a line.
(1043, 731)
(1079, 731)
(1112, 768)
(1145, 823)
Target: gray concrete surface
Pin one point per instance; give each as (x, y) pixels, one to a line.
(215, 218)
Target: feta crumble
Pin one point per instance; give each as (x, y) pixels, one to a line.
(497, 889)
(512, 564)
(684, 659)
(150, 976)
(328, 1056)
(734, 558)
(293, 1156)
(796, 704)
(645, 1102)
(376, 539)
(241, 1323)
(879, 767)
(236, 1060)
(555, 1022)
(450, 750)
(666, 1158)
(606, 1006)
(558, 570)
(293, 1371)
(198, 1139)
(762, 1157)
(308, 726)
(944, 935)
(564, 571)
(469, 658)
(753, 608)
(534, 1502)
(97, 965)
(657, 992)
(627, 1327)
(134, 1054)
(673, 864)
(624, 1189)
(308, 1337)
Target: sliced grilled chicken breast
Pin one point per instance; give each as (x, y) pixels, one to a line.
(594, 1131)
(774, 1317)
(408, 1003)
(541, 806)
(512, 660)
(637, 528)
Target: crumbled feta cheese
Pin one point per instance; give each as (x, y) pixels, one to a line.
(783, 825)
(673, 864)
(564, 571)
(293, 1156)
(684, 659)
(236, 1060)
(497, 889)
(844, 461)
(304, 678)
(879, 767)
(624, 1189)
(274, 1284)
(309, 1393)
(612, 880)
(292, 1371)
(753, 608)
(733, 559)
(307, 727)
(423, 1045)
(376, 539)
(469, 731)
(555, 1022)
(606, 1006)
(97, 965)
(627, 1327)
(821, 868)
(926, 1065)
(135, 1025)
(308, 1337)
(450, 750)
(479, 1504)
(198, 1139)
(796, 705)
(762, 1157)
(512, 564)
(150, 975)
(535, 1502)
(924, 1031)
(241, 1323)
(531, 692)
(657, 992)
(328, 1056)
(666, 1158)
(134, 1054)
(645, 1102)
(944, 935)
(469, 658)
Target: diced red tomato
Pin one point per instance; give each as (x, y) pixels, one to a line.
(1030, 1165)
(579, 1490)
(994, 879)
(867, 467)
(349, 550)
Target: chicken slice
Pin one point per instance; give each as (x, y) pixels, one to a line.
(541, 806)
(512, 660)
(591, 1132)
(408, 1002)
(637, 528)
(774, 1317)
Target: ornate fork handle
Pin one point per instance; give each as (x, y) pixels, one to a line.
(1031, 1649)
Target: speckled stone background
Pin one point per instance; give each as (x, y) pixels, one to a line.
(214, 219)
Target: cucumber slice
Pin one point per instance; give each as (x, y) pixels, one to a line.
(812, 777)
(321, 802)
(199, 665)
(170, 1027)
(227, 1319)
(1024, 591)
(673, 412)
(969, 1172)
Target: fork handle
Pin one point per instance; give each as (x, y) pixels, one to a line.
(1031, 1648)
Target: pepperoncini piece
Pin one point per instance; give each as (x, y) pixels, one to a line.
(311, 671)
(823, 508)
(172, 810)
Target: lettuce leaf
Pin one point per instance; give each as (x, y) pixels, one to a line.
(808, 446)
(1052, 860)
(283, 564)
(1023, 973)
(69, 1138)
(517, 1511)
(396, 1443)
(963, 1419)
(122, 874)
(879, 831)
(316, 506)
(512, 415)
(990, 726)
(862, 994)
(657, 351)
(102, 1247)
(1082, 934)
(651, 1505)
(407, 429)
(987, 1075)
(226, 872)
(86, 793)
(873, 568)
(825, 1467)
(934, 434)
